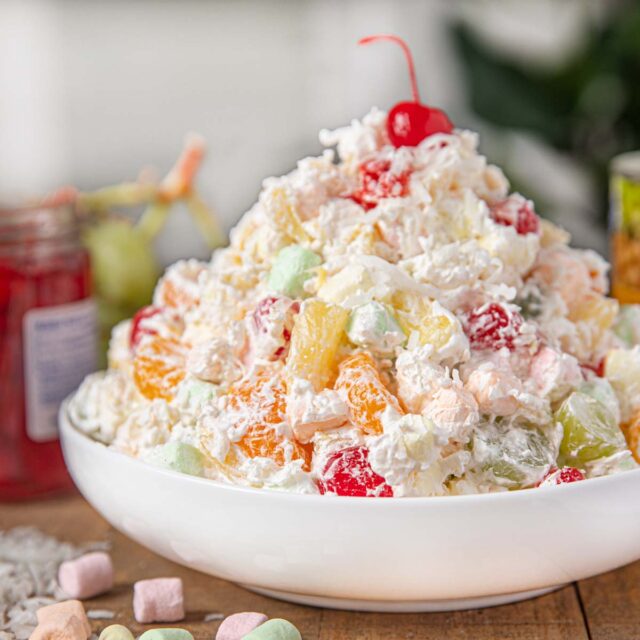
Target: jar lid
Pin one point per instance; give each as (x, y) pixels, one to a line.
(35, 223)
(627, 165)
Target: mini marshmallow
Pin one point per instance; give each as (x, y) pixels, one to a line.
(86, 576)
(178, 456)
(68, 629)
(292, 267)
(158, 600)
(60, 613)
(116, 632)
(62, 621)
(495, 390)
(166, 634)
(275, 629)
(308, 411)
(238, 625)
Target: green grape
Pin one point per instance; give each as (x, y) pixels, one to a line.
(291, 269)
(590, 430)
(124, 267)
(530, 304)
(177, 456)
(627, 324)
(513, 456)
(601, 390)
(374, 327)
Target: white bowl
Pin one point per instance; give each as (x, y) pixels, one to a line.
(391, 554)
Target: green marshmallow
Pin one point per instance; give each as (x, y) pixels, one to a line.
(197, 392)
(116, 632)
(166, 634)
(291, 268)
(374, 327)
(177, 456)
(275, 629)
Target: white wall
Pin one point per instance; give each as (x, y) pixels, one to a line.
(90, 91)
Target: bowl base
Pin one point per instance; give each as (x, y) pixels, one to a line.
(402, 606)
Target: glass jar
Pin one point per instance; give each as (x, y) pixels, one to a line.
(48, 342)
(625, 227)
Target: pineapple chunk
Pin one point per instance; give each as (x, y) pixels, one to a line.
(351, 283)
(594, 315)
(599, 311)
(622, 369)
(417, 315)
(283, 214)
(315, 340)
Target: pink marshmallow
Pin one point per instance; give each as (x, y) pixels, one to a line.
(238, 625)
(87, 576)
(158, 600)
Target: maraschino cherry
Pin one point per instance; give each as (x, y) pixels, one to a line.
(138, 330)
(566, 475)
(409, 123)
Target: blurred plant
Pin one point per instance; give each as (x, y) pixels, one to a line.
(588, 107)
(125, 269)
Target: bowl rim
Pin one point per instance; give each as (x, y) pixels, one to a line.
(69, 430)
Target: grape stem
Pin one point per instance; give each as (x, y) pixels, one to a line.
(407, 52)
(153, 219)
(158, 198)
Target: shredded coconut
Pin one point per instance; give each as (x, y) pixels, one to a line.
(29, 561)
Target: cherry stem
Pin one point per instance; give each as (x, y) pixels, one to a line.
(407, 53)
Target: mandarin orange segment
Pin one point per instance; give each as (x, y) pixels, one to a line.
(158, 366)
(631, 432)
(263, 441)
(262, 397)
(315, 339)
(261, 403)
(173, 296)
(360, 385)
(178, 287)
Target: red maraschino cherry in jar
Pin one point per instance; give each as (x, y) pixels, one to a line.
(48, 341)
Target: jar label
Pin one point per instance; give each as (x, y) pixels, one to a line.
(60, 349)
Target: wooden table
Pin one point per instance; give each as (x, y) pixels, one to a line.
(604, 607)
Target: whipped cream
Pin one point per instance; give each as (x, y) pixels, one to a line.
(423, 319)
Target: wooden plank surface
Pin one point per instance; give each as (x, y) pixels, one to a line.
(610, 602)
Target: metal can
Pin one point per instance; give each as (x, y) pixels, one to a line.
(624, 225)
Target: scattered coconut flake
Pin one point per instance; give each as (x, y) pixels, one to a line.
(211, 617)
(101, 614)
(29, 561)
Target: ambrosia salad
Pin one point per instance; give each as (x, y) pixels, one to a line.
(387, 321)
